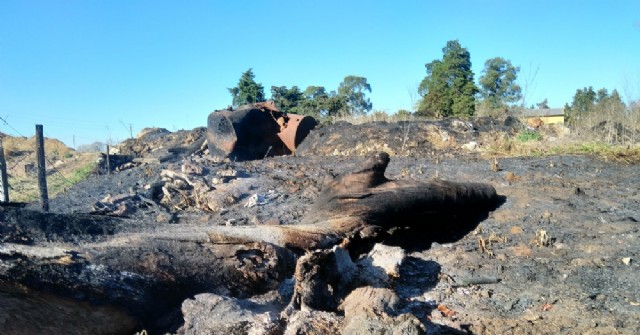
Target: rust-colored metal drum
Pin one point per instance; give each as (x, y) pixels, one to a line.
(256, 131)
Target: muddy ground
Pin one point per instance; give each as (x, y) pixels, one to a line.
(561, 255)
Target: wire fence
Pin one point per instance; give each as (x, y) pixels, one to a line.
(22, 176)
(63, 168)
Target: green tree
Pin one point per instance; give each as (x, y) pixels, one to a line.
(583, 103)
(314, 102)
(544, 104)
(615, 97)
(448, 89)
(403, 115)
(287, 99)
(436, 94)
(313, 99)
(587, 101)
(353, 91)
(315, 93)
(336, 105)
(317, 102)
(601, 95)
(498, 82)
(610, 103)
(247, 91)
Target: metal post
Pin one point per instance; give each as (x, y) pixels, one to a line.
(4, 182)
(42, 169)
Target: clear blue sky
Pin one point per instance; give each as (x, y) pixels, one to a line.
(92, 68)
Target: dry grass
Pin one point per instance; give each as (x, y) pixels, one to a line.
(54, 149)
(65, 167)
(616, 153)
(500, 145)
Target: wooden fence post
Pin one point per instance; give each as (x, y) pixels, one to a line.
(42, 170)
(108, 161)
(4, 182)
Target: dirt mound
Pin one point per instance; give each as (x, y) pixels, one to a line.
(162, 145)
(19, 146)
(405, 138)
(150, 134)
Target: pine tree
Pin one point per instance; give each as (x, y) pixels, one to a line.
(448, 89)
(247, 91)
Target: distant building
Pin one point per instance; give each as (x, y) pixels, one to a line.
(547, 115)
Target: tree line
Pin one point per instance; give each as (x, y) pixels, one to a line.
(349, 99)
(587, 101)
(605, 115)
(448, 89)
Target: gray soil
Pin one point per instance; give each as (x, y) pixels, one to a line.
(561, 255)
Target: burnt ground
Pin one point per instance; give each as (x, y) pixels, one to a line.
(560, 255)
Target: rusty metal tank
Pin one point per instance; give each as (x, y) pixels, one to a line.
(255, 131)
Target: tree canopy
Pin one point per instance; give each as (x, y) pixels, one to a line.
(544, 104)
(350, 98)
(353, 90)
(587, 101)
(247, 91)
(448, 89)
(287, 99)
(583, 102)
(314, 101)
(498, 82)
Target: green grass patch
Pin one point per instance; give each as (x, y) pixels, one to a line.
(528, 136)
(25, 188)
(59, 183)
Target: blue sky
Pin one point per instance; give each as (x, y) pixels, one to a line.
(91, 69)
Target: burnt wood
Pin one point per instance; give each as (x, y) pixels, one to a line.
(148, 274)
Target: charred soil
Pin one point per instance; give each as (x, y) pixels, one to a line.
(559, 254)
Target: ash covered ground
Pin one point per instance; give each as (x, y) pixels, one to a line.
(560, 255)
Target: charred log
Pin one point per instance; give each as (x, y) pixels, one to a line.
(364, 204)
(151, 274)
(146, 275)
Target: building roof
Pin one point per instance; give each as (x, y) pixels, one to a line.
(543, 112)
